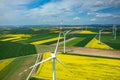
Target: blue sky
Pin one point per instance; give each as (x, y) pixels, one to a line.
(72, 12)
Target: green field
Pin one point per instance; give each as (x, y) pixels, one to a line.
(12, 71)
(74, 42)
(12, 49)
(109, 39)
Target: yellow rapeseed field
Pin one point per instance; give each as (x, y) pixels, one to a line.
(94, 43)
(4, 63)
(87, 32)
(45, 41)
(80, 68)
(35, 29)
(15, 37)
(54, 31)
(7, 28)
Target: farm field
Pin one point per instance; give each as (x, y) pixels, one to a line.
(45, 35)
(45, 41)
(14, 37)
(80, 68)
(38, 37)
(87, 32)
(18, 65)
(94, 43)
(108, 39)
(4, 63)
(81, 40)
(59, 39)
(74, 42)
(12, 49)
(40, 40)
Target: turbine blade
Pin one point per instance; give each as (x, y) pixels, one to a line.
(68, 31)
(57, 44)
(35, 65)
(40, 62)
(63, 65)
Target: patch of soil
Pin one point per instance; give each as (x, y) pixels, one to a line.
(94, 52)
(106, 32)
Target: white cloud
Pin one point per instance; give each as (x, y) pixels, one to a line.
(88, 13)
(76, 18)
(107, 15)
(93, 19)
(17, 11)
(63, 7)
(103, 15)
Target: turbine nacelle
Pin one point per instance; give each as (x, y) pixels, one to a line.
(53, 56)
(66, 32)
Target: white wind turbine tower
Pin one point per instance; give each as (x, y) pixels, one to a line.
(115, 29)
(61, 23)
(100, 35)
(82, 28)
(64, 34)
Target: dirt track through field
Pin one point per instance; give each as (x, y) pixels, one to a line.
(95, 52)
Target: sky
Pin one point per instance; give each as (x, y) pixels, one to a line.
(53, 12)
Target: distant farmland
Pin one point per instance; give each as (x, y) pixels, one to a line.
(81, 40)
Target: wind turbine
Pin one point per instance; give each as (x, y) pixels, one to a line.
(115, 29)
(53, 58)
(61, 25)
(64, 34)
(100, 35)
